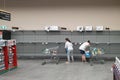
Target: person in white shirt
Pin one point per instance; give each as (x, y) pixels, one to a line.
(69, 50)
(83, 48)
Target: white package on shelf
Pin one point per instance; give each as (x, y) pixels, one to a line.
(2, 42)
(80, 28)
(2, 66)
(52, 28)
(99, 28)
(88, 28)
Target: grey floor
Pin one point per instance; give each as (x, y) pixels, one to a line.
(33, 70)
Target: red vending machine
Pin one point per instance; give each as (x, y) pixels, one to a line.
(3, 56)
(12, 55)
(8, 56)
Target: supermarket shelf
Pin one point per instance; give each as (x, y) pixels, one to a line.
(62, 56)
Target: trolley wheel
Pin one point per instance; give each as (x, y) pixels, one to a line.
(91, 62)
(57, 61)
(43, 63)
(102, 62)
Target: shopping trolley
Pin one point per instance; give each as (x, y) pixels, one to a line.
(52, 54)
(116, 69)
(96, 55)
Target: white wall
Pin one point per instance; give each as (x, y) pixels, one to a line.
(35, 14)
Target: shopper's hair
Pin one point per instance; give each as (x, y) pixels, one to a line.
(67, 39)
(88, 41)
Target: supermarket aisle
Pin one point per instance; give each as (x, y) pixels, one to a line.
(33, 70)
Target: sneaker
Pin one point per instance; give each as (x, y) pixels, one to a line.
(67, 62)
(72, 61)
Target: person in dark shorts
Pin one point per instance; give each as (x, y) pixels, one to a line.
(83, 47)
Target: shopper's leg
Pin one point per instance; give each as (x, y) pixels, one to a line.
(68, 56)
(83, 55)
(83, 58)
(72, 56)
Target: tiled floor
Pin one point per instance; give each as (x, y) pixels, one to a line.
(33, 70)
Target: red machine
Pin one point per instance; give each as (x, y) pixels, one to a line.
(3, 57)
(8, 56)
(12, 57)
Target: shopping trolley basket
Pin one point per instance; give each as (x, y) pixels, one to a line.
(52, 54)
(116, 69)
(96, 55)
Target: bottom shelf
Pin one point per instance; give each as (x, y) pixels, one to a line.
(3, 71)
(12, 68)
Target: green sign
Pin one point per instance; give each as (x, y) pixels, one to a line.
(3, 27)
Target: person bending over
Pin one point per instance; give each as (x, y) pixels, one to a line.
(83, 48)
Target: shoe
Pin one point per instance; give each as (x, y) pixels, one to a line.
(72, 61)
(67, 62)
